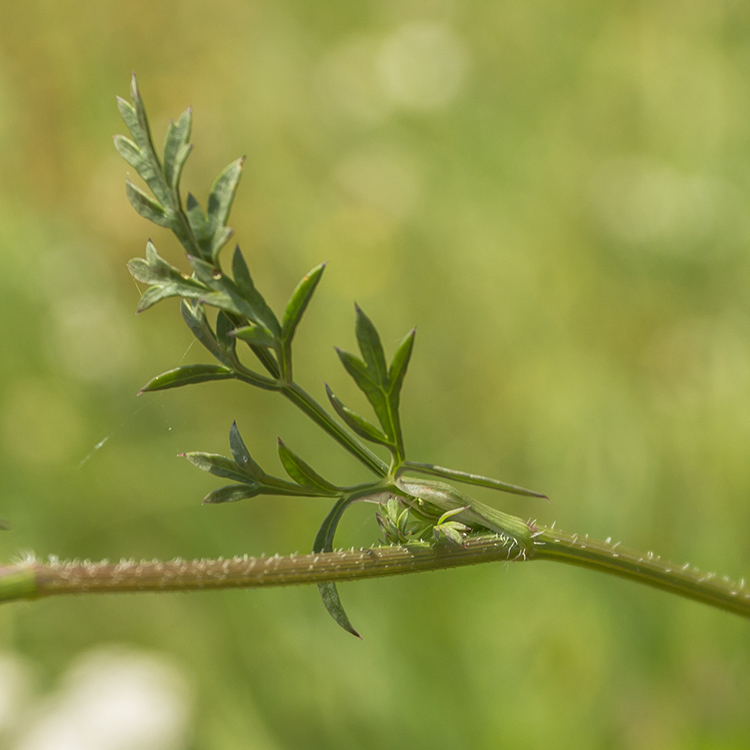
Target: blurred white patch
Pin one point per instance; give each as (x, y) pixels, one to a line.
(114, 699)
(422, 65)
(642, 202)
(382, 178)
(15, 691)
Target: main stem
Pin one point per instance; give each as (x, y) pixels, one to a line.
(31, 580)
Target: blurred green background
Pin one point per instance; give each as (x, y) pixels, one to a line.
(555, 195)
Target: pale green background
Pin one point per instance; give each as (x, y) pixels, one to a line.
(555, 194)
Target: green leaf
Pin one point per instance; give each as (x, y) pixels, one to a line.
(299, 300)
(148, 207)
(131, 153)
(195, 317)
(466, 478)
(135, 118)
(371, 348)
(177, 148)
(261, 312)
(358, 424)
(255, 335)
(231, 494)
(179, 163)
(199, 226)
(165, 290)
(187, 375)
(365, 379)
(324, 543)
(220, 204)
(398, 368)
(304, 474)
(217, 465)
(242, 456)
(225, 325)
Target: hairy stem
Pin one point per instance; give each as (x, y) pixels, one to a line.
(30, 580)
(647, 568)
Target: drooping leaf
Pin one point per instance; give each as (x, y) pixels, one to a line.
(299, 300)
(187, 375)
(358, 424)
(302, 473)
(324, 543)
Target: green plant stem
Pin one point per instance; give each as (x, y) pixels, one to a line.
(648, 568)
(320, 416)
(31, 580)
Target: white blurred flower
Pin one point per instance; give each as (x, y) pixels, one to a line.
(113, 699)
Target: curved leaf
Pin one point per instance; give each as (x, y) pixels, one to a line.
(187, 375)
(298, 302)
(302, 473)
(358, 424)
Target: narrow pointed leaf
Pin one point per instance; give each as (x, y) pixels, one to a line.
(302, 473)
(398, 367)
(357, 424)
(371, 348)
(466, 478)
(298, 302)
(187, 375)
(148, 207)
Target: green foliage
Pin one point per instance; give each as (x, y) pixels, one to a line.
(411, 511)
